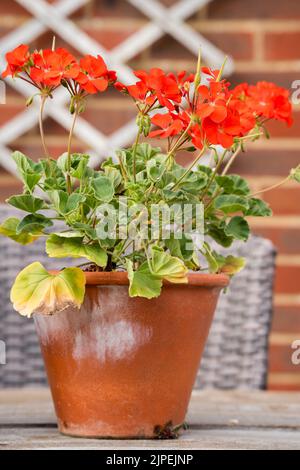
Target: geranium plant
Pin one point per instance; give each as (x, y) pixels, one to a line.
(194, 113)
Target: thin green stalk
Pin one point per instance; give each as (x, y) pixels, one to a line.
(214, 173)
(189, 169)
(231, 160)
(69, 182)
(135, 146)
(216, 194)
(175, 147)
(273, 186)
(222, 69)
(41, 114)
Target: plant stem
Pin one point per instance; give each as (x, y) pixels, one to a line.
(274, 186)
(179, 141)
(231, 160)
(135, 146)
(42, 107)
(189, 169)
(69, 183)
(214, 173)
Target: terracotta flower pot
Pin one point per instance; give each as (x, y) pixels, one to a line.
(121, 366)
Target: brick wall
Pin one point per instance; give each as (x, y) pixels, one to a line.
(263, 37)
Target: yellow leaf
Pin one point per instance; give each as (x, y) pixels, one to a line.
(168, 267)
(35, 290)
(9, 229)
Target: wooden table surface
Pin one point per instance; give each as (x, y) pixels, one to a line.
(217, 420)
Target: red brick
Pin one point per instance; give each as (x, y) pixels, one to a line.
(287, 280)
(239, 45)
(110, 8)
(168, 48)
(278, 129)
(253, 9)
(11, 7)
(278, 387)
(266, 162)
(110, 39)
(284, 201)
(282, 46)
(9, 185)
(286, 240)
(284, 79)
(9, 111)
(286, 319)
(280, 359)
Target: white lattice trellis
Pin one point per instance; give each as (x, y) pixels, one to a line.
(55, 17)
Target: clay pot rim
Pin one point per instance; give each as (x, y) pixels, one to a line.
(120, 278)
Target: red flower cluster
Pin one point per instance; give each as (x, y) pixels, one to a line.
(157, 88)
(213, 114)
(217, 115)
(47, 69)
(265, 100)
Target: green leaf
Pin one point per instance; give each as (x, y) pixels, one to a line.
(168, 267)
(62, 162)
(79, 166)
(145, 151)
(64, 203)
(217, 263)
(89, 231)
(35, 290)
(231, 203)
(205, 169)
(231, 265)
(142, 283)
(103, 188)
(295, 174)
(238, 228)
(258, 208)
(26, 202)
(194, 182)
(210, 258)
(155, 169)
(61, 247)
(178, 247)
(114, 175)
(29, 170)
(34, 224)
(233, 184)
(9, 229)
(217, 230)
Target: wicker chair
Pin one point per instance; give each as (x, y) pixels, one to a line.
(236, 351)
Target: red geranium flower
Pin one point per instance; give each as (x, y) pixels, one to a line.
(153, 86)
(212, 73)
(164, 86)
(197, 134)
(94, 75)
(183, 81)
(270, 101)
(139, 92)
(212, 102)
(170, 125)
(16, 60)
(51, 67)
(223, 133)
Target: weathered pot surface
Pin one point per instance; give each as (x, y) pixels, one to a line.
(120, 366)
